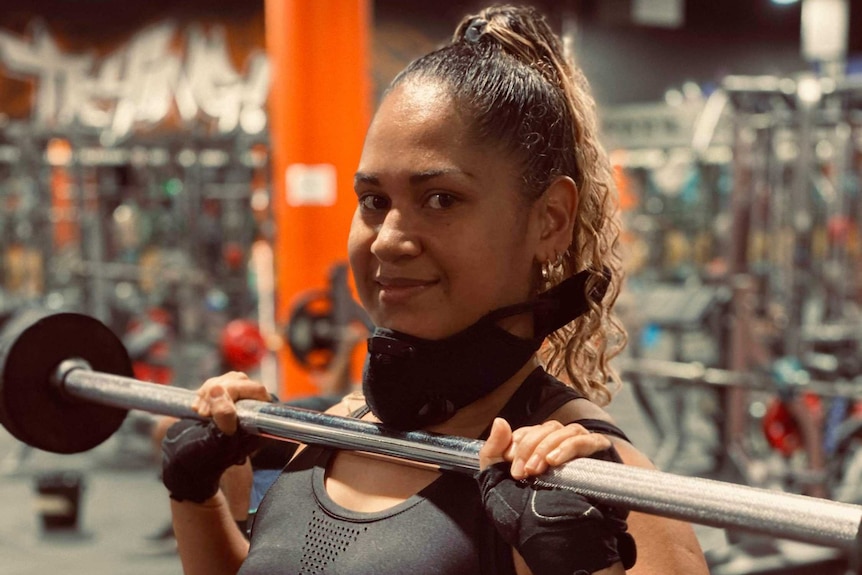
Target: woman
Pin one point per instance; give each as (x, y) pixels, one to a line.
(485, 228)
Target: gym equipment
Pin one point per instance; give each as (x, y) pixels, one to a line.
(697, 374)
(318, 318)
(32, 345)
(50, 364)
(780, 426)
(242, 344)
(675, 312)
(310, 332)
(59, 499)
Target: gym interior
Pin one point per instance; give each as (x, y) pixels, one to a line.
(182, 171)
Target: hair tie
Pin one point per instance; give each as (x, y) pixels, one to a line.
(475, 30)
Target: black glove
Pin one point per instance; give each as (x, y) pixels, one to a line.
(195, 454)
(556, 531)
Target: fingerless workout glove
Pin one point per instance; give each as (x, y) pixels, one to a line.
(557, 531)
(195, 454)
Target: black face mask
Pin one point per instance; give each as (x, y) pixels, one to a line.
(411, 382)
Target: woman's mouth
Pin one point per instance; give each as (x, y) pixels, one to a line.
(401, 289)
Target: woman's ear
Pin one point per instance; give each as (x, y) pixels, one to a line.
(558, 207)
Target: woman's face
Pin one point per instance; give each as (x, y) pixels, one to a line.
(441, 234)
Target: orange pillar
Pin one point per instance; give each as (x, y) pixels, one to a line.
(66, 231)
(319, 109)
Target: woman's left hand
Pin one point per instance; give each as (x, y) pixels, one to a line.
(531, 450)
(543, 524)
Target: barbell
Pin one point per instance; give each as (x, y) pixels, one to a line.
(66, 385)
(696, 373)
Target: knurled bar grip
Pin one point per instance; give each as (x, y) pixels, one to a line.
(714, 503)
(698, 500)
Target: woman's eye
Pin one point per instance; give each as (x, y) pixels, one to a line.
(373, 202)
(441, 201)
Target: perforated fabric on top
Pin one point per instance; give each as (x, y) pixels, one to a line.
(325, 539)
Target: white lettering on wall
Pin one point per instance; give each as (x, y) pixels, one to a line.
(140, 83)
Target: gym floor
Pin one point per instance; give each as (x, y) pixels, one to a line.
(123, 507)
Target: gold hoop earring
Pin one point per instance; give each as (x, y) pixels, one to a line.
(553, 271)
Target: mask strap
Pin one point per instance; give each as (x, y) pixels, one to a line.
(570, 301)
(557, 306)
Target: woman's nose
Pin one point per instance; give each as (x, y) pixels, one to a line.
(394, 238)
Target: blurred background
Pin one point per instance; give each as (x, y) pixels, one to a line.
(182, 170)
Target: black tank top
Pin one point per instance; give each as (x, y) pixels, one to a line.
(442, 529)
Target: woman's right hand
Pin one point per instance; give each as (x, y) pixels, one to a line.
(195, 454)
(217, 398)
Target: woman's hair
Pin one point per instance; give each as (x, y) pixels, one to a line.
(507, 68)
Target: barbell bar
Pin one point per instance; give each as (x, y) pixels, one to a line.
(696, 373)
(64, 373)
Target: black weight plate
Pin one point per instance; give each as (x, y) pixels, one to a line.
(32, 344)
(310, 330)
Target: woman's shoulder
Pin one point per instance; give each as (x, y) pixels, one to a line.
(566, 402)
(590, 415)
(579, 408)
(349, 405)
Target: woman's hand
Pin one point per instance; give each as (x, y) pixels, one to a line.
(217, 398)
(531, 450)
(541, 523)
(195, 454)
